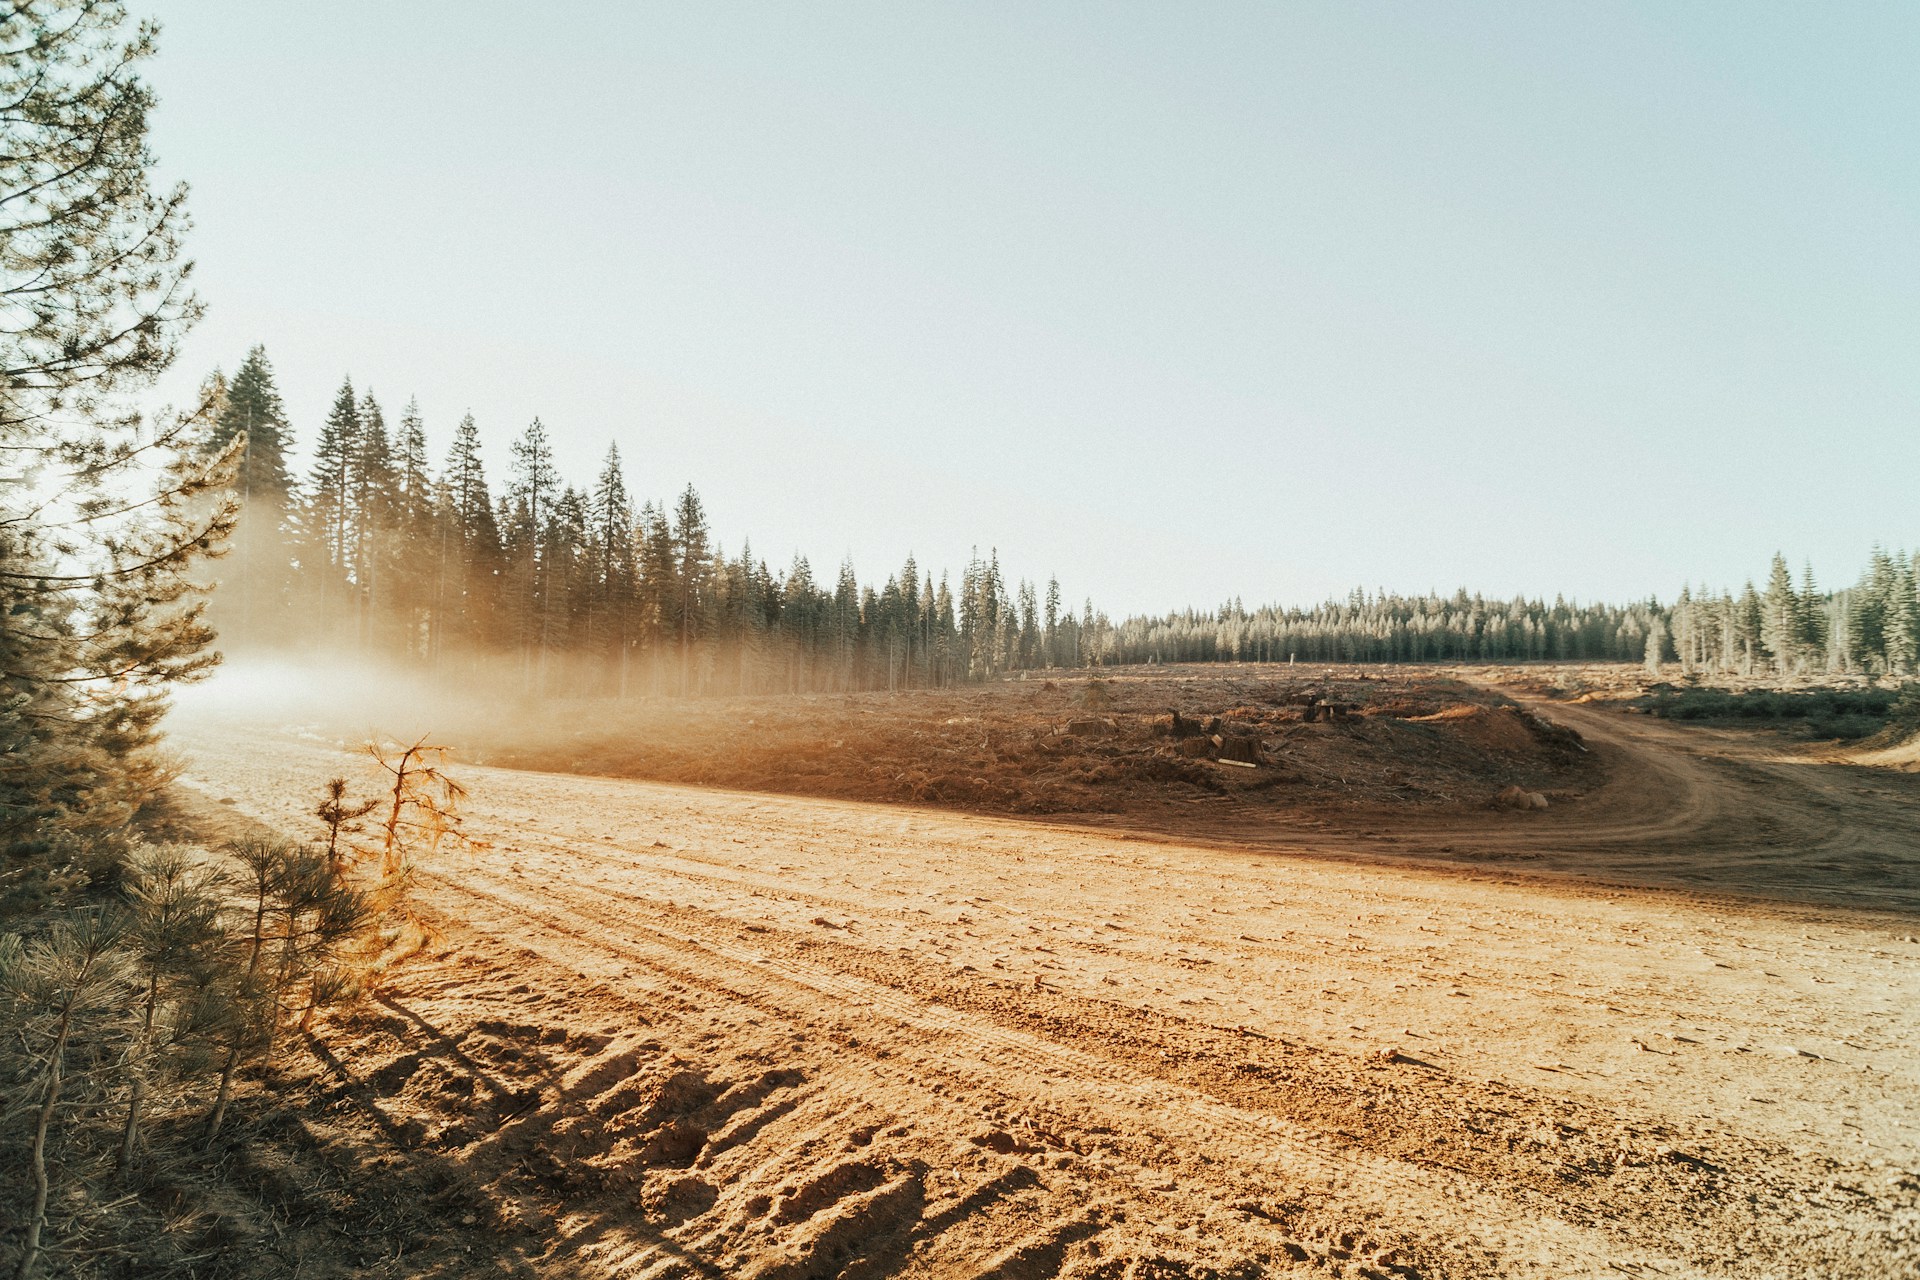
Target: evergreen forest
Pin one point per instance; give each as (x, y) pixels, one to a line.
(577, 587)
(1785, 628)
(581, 591)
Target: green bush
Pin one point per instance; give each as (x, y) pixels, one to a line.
(1852, 713)
(1904, 709)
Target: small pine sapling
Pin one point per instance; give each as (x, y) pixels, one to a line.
(318, 921)
(340, 816)
(67, 990)
(172, 936)
(260, 865)
(298, 923)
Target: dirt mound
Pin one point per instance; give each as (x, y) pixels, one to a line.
(1464, 711)
(1500, 729)
(1092, 749)
(1095, 695)
(1900, 753)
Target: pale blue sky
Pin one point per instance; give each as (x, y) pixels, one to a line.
(1179, 301)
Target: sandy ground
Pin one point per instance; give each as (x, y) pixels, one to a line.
(681, 1031)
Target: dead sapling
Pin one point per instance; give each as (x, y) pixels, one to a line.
(422, 806)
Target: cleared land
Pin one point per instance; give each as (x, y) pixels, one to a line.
(1340, 1028)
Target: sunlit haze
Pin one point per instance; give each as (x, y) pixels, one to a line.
(1180, 303)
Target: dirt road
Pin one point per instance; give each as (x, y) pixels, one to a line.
(1693, 807)
(691, 1032)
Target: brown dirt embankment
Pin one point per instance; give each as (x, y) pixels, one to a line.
(1403, 764)
(1151, 745)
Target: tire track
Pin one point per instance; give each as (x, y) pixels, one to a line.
(1285, 1150)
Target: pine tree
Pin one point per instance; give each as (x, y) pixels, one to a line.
(566, 551)
(251, 407)
(1810, 618)
(468, 541)
(373, 488)
(1780, 625)
(62, 994)
(466, 479)
(933, 641)
(1728, 619)
(173, 933)
(844, 626)
(1750, 624)
(655, 591)
(410, 458)
(798, 624)
(1902, 616)
(912, 624)
(1050, 638)
(105, 522)
(612, 568)
(1684, 630)
(252, 605)
(1867, 619)
(535, 481)
(414, 532)
(946, 631)
(691, 554)
(94, 292)
(1027, 653)
(755, 603)
(531, 496)
(104, 518)
(328, 516)
(1838, 625)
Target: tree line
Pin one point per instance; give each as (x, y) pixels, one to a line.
(378, 551)
(1387, 627)
(1871, 627)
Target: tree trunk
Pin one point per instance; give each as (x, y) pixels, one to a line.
(37, 1160)
(390, 856)
(219, 1112)
(131, 1134)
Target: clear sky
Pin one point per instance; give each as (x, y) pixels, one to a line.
(1181, 302)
